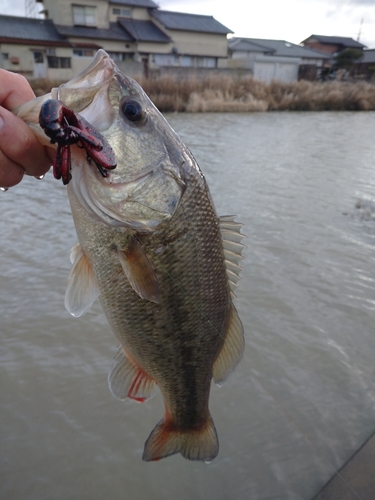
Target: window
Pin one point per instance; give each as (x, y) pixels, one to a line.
(167, 60)
(51, 52)
(58, 62)
(83, 52)
(122, 12)
(65, 62)
(120, 56)
(206, 62)
(5, 56)
(187, 61)
(84, 15)
(38, 57)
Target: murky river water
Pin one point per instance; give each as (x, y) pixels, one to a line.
(303, 398)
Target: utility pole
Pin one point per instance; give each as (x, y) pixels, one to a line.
(360, 30)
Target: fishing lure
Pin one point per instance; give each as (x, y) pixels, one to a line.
(65, 127)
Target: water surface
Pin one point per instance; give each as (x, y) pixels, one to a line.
(303, 398)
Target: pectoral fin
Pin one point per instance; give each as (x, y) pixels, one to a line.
(82, 290)
(127, 380)
(232, 350)
(139, 271)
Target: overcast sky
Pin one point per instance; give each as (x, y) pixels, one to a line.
(292, 20)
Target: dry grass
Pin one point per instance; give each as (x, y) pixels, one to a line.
(43, 86)
(315, 96)
(215, 93)
(223, 93)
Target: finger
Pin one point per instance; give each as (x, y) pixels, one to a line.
(14, 90)
(20, 146)
(10, 173)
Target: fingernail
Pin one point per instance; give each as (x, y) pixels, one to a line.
(2, 121)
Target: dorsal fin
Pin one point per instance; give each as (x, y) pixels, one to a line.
(81, 291)
(232, 237)
(139, 271)
(232, 350)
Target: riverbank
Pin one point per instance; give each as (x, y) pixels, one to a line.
(221, 93)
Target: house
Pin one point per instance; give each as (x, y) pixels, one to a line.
(26, 44)
(274, 59)
(331, 44)
(365, 67)
(135, 33)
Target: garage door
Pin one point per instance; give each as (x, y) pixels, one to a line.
(264, 71)
(286, 72)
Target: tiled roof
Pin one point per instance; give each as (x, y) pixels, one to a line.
(135, 3)
(145, 31)
(337, 40)
(280, 48)
(24, 28)
(85, 45)
(115, 32)
(189, 22)
(246, 45)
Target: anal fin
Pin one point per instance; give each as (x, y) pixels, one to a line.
(127, 380)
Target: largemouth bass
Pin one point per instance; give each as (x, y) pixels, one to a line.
(152, 248)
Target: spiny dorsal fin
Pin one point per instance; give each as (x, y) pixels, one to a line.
(232, 350)
(127, 380)
(232, 237)
(81, 291)
(139, 271)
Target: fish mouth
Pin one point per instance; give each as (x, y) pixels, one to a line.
(88, 92)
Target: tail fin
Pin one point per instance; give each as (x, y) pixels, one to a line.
(193, 444)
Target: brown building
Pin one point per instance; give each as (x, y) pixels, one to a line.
(331, 44)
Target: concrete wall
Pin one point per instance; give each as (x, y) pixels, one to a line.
(196, 73)
(141, 14)
(154, 48)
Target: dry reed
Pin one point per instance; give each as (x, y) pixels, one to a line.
(43, 86)
(223, 93)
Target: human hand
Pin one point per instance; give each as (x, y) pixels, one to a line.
(20, 150)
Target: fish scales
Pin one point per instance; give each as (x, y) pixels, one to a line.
(176, 341)
(152, 248)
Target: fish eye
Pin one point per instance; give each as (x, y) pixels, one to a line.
(133, 110)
